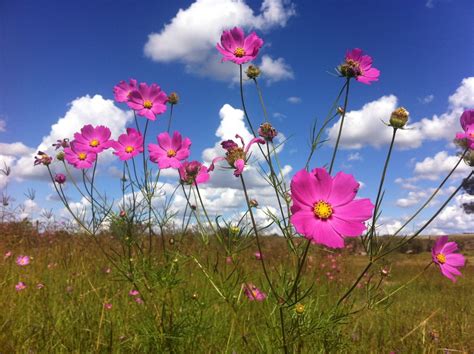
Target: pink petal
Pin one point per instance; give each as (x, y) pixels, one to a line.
(344, 189)
(347, 227)
(238, 36)
(303, 188)
(356, 210)
(176, 141)
(323, 183)
(455, 260)
(324, 234)
(164, 140)
(239, 167)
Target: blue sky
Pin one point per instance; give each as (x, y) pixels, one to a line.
(55, 53)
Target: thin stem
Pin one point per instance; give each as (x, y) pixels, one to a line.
(379, 193)
(262, 258)
(348, 292)
(243, 102)
(204, 209)
(340, 127)
(282, 325)
(298, 273)
(171, 117)
(261, 101)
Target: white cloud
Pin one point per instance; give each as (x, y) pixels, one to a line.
(364, 127)
(433, 168)
(294, 99)
(3, 125)
(275, 70)
(191, 36)
(355, 156)
(426, 99)
(84, 110)
(15, 149)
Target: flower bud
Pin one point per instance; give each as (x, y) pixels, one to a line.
(234, 229)
(267, 131)
(399, 117)
(253, 72)
(340, 110)
(384, 272)
(171, 241)
(299, 308)
(123, 213)
(173, 98)
(60, 178)
(253, 203)
(60, 156)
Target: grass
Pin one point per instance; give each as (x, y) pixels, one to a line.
(189, 309)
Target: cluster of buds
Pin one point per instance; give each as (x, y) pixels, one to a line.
(252, 72)
(399, 118)
(267, 131)
(173, 98)
(43, 159)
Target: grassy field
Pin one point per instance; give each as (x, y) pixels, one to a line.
(193, 302)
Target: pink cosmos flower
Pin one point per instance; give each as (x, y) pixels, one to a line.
(148, 101)
(7, 255)
(324, 209)
(20, 286)
(133, 292)
(467, 124)
(108, 306)
(448, 261)
(23, 260)
(253, 293)
(236, 47)
(359, 66)
(93, 139)
(236, 156)
(138, 300)
(39, 286)
(128, 145)
(123, 89)
(60, 178)
(193, 172)
(258, 256)
(78, 157)
(169, 152)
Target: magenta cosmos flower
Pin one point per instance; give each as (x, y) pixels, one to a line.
(123, 89)
(324, 209)
(467, 124)
(236, 47)
(79, 157)
(23, 260)
(169, 151)
(359, 66)
(193, 172)
(253, 293)
(148, 101)
(236, 156)
(128, 145)
(93, 139)
(20, 286)
(444, 256)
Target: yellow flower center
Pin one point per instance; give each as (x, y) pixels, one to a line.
(239, 52)
(254, 293)
(441, 258)
(129, 149)
(94, 143)
(147, 104)
(171, 153)
(82, 155)
(322, 210)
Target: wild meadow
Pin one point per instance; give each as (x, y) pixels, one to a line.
(133, 272)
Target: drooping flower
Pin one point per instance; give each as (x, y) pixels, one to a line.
(169, 152)
(324, 209)
(236, 156)
(253, 293)
(267, 131)
(359, 66)
(43, 159)
(23, 260)
(60, 178)
(148, 101)
(123, 89)
(467, 124)
(193, 172)
(93, 139)
(236, 47)
(20, 286)
(128, 145)
(79, 158)
(61, 143)
(443, 254)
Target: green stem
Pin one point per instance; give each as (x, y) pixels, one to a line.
(261, 101)
(243, 102)
(171, 117)
(340, 127)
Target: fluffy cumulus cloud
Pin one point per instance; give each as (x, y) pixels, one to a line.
(440, 165)
(294, 99)
(94, 110)
(191, 36)
(364, 127)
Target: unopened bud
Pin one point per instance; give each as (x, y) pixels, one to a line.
(173, 98)
(171, 241)
(60, 156)
(253, 72)
(194, 296)
(123, 213)
(299, 308)
(384, 272)
(234, 229)
(340, 110)
(253, 203)
(399, 117)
